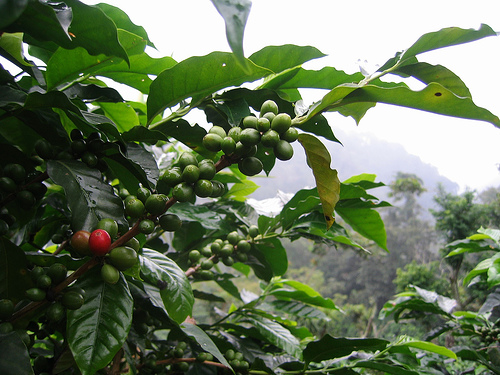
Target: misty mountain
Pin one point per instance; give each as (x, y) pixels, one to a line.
(357, 155)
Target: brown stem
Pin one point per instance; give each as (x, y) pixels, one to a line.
(117, 359)
(56, 290)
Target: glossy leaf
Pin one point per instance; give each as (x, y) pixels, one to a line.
(428, 73)
(275, 333)
(183, 131)
(12, 44)
(89, 27)
(203, 214)
(304, 201)
(68, 65)
(15, 358)
(326, 78)
(138, 166)
(329, 347)
(327, 181)
(186, 80)
(300, 310)
(235, 14)
(122, 21)
(175, 288)
(275, 254)
(122, 115)
(98, 329)
(362, 217)
(204, 340)
(429, 347)
(88, 196)
(137, 75)
(280, 58)
(446, 37)
(303, 293)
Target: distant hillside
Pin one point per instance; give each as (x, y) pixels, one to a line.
(366, 155)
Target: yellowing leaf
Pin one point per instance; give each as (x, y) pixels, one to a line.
(327, 181)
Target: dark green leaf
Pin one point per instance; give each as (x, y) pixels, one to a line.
(280, 58)
(90, 28)
(93, 92)
(15, 359)
(205, 215)
(298, 309)
(98, 329)
(303, 293)
(318, 125)
(303, 202)
(225, 283)
(327, 181)
(275, 254)
(204, 340)
(275, 333)
(186, 79)
(175, 288)
(10, 11)
(183, 131)
(330, 347)
(429, 347)
(137, 167)
(189, 236)
(122, 21)
(362, 217)
(386, 368)
(52, 99)
(14, 275)
(235, 14)
(89, 198)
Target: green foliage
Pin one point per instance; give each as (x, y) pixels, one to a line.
(75, 153)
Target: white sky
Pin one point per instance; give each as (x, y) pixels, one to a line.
(465, 151)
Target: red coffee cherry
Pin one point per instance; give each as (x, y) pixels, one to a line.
(99, 242)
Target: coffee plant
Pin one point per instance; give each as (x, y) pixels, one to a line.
(115, 214)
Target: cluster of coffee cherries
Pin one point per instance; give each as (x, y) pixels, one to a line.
(234, 248)
(44, 279)
(272, 130)
(190, 178)
(490, 335)
(148, 209)
(89, 150)
(20, 186)
(98, 243)
(237, 360)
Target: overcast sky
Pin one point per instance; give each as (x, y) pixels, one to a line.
(350, 32)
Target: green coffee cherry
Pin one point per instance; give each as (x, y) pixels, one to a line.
(170, 222)
(190, 174)
(218, 130)
(187, 158)
(109, 225)
(250, 166)
(281, 123)
(283, 150)
(203, 188)
(155, 203)
(250, 122)
(123, 257)
(212, 142)
(234, 133)
(143, 194)
(269, 106)
(109, 274)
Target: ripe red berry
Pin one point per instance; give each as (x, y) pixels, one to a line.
(99, 242)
